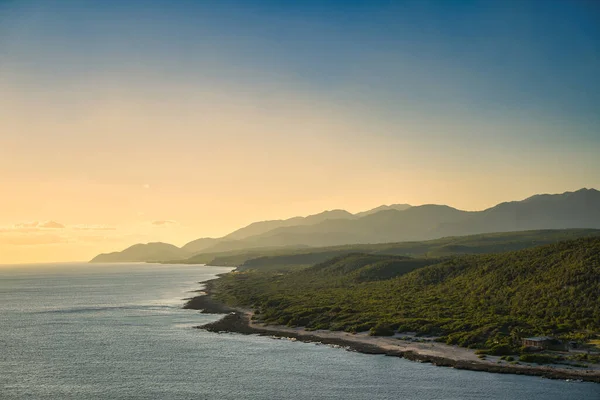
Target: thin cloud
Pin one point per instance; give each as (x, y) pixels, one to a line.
(84, 227)
(51, 225)
(36, 225)
(32, 224)
(163, 222)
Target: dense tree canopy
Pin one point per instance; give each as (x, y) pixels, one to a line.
(470, 300)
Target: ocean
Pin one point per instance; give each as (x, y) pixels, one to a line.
(117, 331)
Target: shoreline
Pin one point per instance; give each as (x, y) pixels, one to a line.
(237, 320)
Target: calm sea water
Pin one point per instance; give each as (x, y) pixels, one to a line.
(87, 331)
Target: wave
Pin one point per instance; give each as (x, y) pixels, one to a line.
(88, 309)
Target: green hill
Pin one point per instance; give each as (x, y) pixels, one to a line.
(357, 267)
(473, 300)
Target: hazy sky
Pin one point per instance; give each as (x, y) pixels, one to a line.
(148, 120)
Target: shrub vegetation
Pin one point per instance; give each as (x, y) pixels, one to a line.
(488, 301)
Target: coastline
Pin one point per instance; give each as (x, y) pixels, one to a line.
(236, 320)
(205, 303)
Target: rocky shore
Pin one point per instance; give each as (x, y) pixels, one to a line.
(239, 321)
(205, 303)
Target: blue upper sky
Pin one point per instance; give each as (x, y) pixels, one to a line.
(533, 56)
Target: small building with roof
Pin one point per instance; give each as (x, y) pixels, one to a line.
(538, 342)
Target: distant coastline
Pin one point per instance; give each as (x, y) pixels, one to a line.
(237, 320)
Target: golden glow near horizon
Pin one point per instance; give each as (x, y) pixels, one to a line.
(110, 169)
(126, 138)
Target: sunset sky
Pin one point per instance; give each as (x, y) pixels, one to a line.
(137, 121)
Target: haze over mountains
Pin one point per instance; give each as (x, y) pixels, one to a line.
(395, 223)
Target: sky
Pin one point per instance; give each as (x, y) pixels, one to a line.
(138, 121)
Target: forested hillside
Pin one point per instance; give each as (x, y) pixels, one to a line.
(474, 300)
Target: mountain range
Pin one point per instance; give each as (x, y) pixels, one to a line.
(395, 223)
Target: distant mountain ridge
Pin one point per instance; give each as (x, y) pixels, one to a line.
(395, 223)
(399, 207)
(144, 253)
(234, 241)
